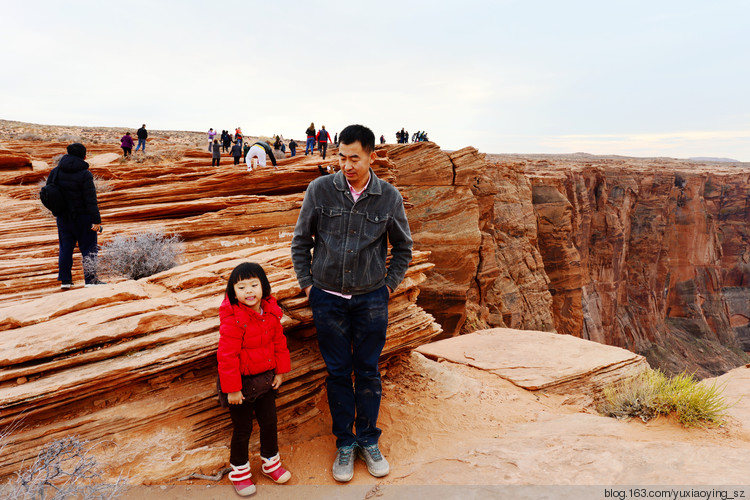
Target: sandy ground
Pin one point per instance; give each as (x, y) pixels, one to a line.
(453, 431)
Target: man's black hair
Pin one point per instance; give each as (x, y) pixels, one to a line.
(245, 271)
(358, 133)
(77, 149)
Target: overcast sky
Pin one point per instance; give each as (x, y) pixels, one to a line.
(638, 78)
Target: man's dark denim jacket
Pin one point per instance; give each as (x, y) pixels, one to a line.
(350, 240)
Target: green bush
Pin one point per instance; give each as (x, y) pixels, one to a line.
(652, 393)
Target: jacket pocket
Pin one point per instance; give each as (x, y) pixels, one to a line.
(375, 225)
(331, 221)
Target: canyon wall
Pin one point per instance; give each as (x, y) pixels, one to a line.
(647, 254)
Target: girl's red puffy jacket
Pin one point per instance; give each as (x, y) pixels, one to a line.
(250, 343)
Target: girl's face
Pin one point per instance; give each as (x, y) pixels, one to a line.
(249, 292)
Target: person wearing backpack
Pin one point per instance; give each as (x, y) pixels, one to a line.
(323, 139)
(79, 223)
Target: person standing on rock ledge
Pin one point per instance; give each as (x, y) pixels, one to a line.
(347, 220)
(142, 134)
(81, 222)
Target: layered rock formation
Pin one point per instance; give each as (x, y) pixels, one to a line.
(135, 361)
(601, 248)
(650, 255)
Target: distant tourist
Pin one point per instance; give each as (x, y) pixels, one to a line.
(80, 223)
(245, 149)
(236, 153)
(252, 355)
(142, 135)
(238, 135)
(348, 283)
(226, 141)
(211, 135)
(216, 154)
(277, 143)
(323, 139)
(382, 139)
(126, 143)
(336, 140)
(310, 144)
(293, 147)
(260, 151)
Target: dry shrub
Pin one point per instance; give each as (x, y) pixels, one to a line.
(102, 185)
(652, 393)
(136, 256)
(69, 138)
(63, 469)
(28, 136)
(155, 157)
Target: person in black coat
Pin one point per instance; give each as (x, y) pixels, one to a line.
(81, 222)
(142, 136)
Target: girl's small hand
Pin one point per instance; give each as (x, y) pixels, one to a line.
(235, 398)
(276, 382)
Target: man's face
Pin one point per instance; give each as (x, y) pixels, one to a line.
(355, 162)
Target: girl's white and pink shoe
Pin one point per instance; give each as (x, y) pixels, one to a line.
(272, 468)
(240, 477)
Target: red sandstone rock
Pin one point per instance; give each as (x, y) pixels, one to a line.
(10, 160)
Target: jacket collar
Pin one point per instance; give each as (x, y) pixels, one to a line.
(269, 304)
(339, 181)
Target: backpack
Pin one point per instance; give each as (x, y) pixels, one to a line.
(52, 196)
(322, 136)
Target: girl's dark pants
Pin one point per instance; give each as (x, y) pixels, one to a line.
(264, 410)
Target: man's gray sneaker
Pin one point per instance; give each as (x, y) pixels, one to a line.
(376, 463)
(343, 467)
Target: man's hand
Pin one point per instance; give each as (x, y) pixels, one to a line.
(276, 383)
(96, 227)
(307, 291)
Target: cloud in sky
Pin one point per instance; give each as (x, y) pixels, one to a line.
(506, 76)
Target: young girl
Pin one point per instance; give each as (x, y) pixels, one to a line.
(252, 356)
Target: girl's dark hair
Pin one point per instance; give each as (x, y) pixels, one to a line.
(358, 133)
(245, 271)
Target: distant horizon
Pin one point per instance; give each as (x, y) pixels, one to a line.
(641, 79)
(708, 159)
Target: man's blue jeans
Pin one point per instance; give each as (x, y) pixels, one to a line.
(141, 145)
(351, 336)
(310, 145)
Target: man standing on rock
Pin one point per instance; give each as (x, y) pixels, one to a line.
(347, 220)
(142, 136)
(81, 222)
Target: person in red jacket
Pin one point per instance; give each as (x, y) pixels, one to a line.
(252, 356)
(323, 139)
